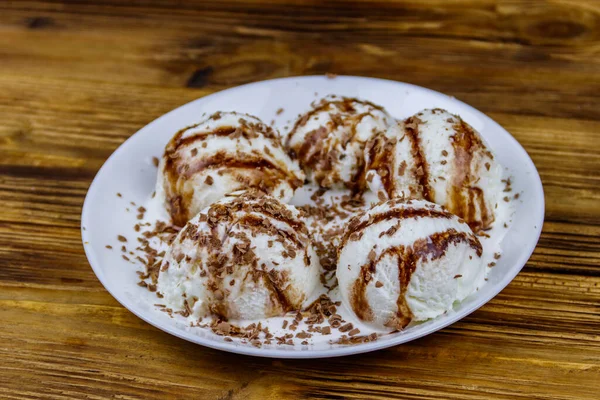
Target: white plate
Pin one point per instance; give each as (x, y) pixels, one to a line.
(129, 170)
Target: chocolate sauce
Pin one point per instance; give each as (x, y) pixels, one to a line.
(465, 200)
(274, 282)
(382, 159)
(421, 167)
(358, 293)
(308, 155)
(220, 131)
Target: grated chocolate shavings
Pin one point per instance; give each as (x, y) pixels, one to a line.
(354, 332)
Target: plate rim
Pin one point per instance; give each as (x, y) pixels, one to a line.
(233, 347)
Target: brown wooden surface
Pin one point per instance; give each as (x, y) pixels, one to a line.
(78, 78)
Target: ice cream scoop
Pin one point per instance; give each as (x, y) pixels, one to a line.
(226, 152)
(246, 257)
(439, 158)
(329, 140)
(407, 261)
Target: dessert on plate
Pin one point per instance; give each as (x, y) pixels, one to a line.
(247, 256)
(227, 151)
(380, 217)
(329, 140)
(404, 261)
(440, 158)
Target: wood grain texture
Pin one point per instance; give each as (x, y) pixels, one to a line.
(79, 77)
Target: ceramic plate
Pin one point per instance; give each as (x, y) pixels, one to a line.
(130, 171)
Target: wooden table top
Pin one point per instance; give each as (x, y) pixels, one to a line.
(77, 79)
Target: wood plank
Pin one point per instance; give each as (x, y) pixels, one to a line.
(503, 47)
(98, 330)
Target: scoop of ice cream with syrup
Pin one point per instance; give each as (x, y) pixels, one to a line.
(329, 140)
(440, 158)
(226, 152)
(245, 257)
(407, 261)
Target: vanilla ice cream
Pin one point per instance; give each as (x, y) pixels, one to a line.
(246, 257)
(401, 262)
(329, 140)
(226, 152)
(440, 158)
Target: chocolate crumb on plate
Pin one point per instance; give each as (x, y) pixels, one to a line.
(354, 332)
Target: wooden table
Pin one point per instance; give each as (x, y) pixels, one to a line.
(76, 79)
